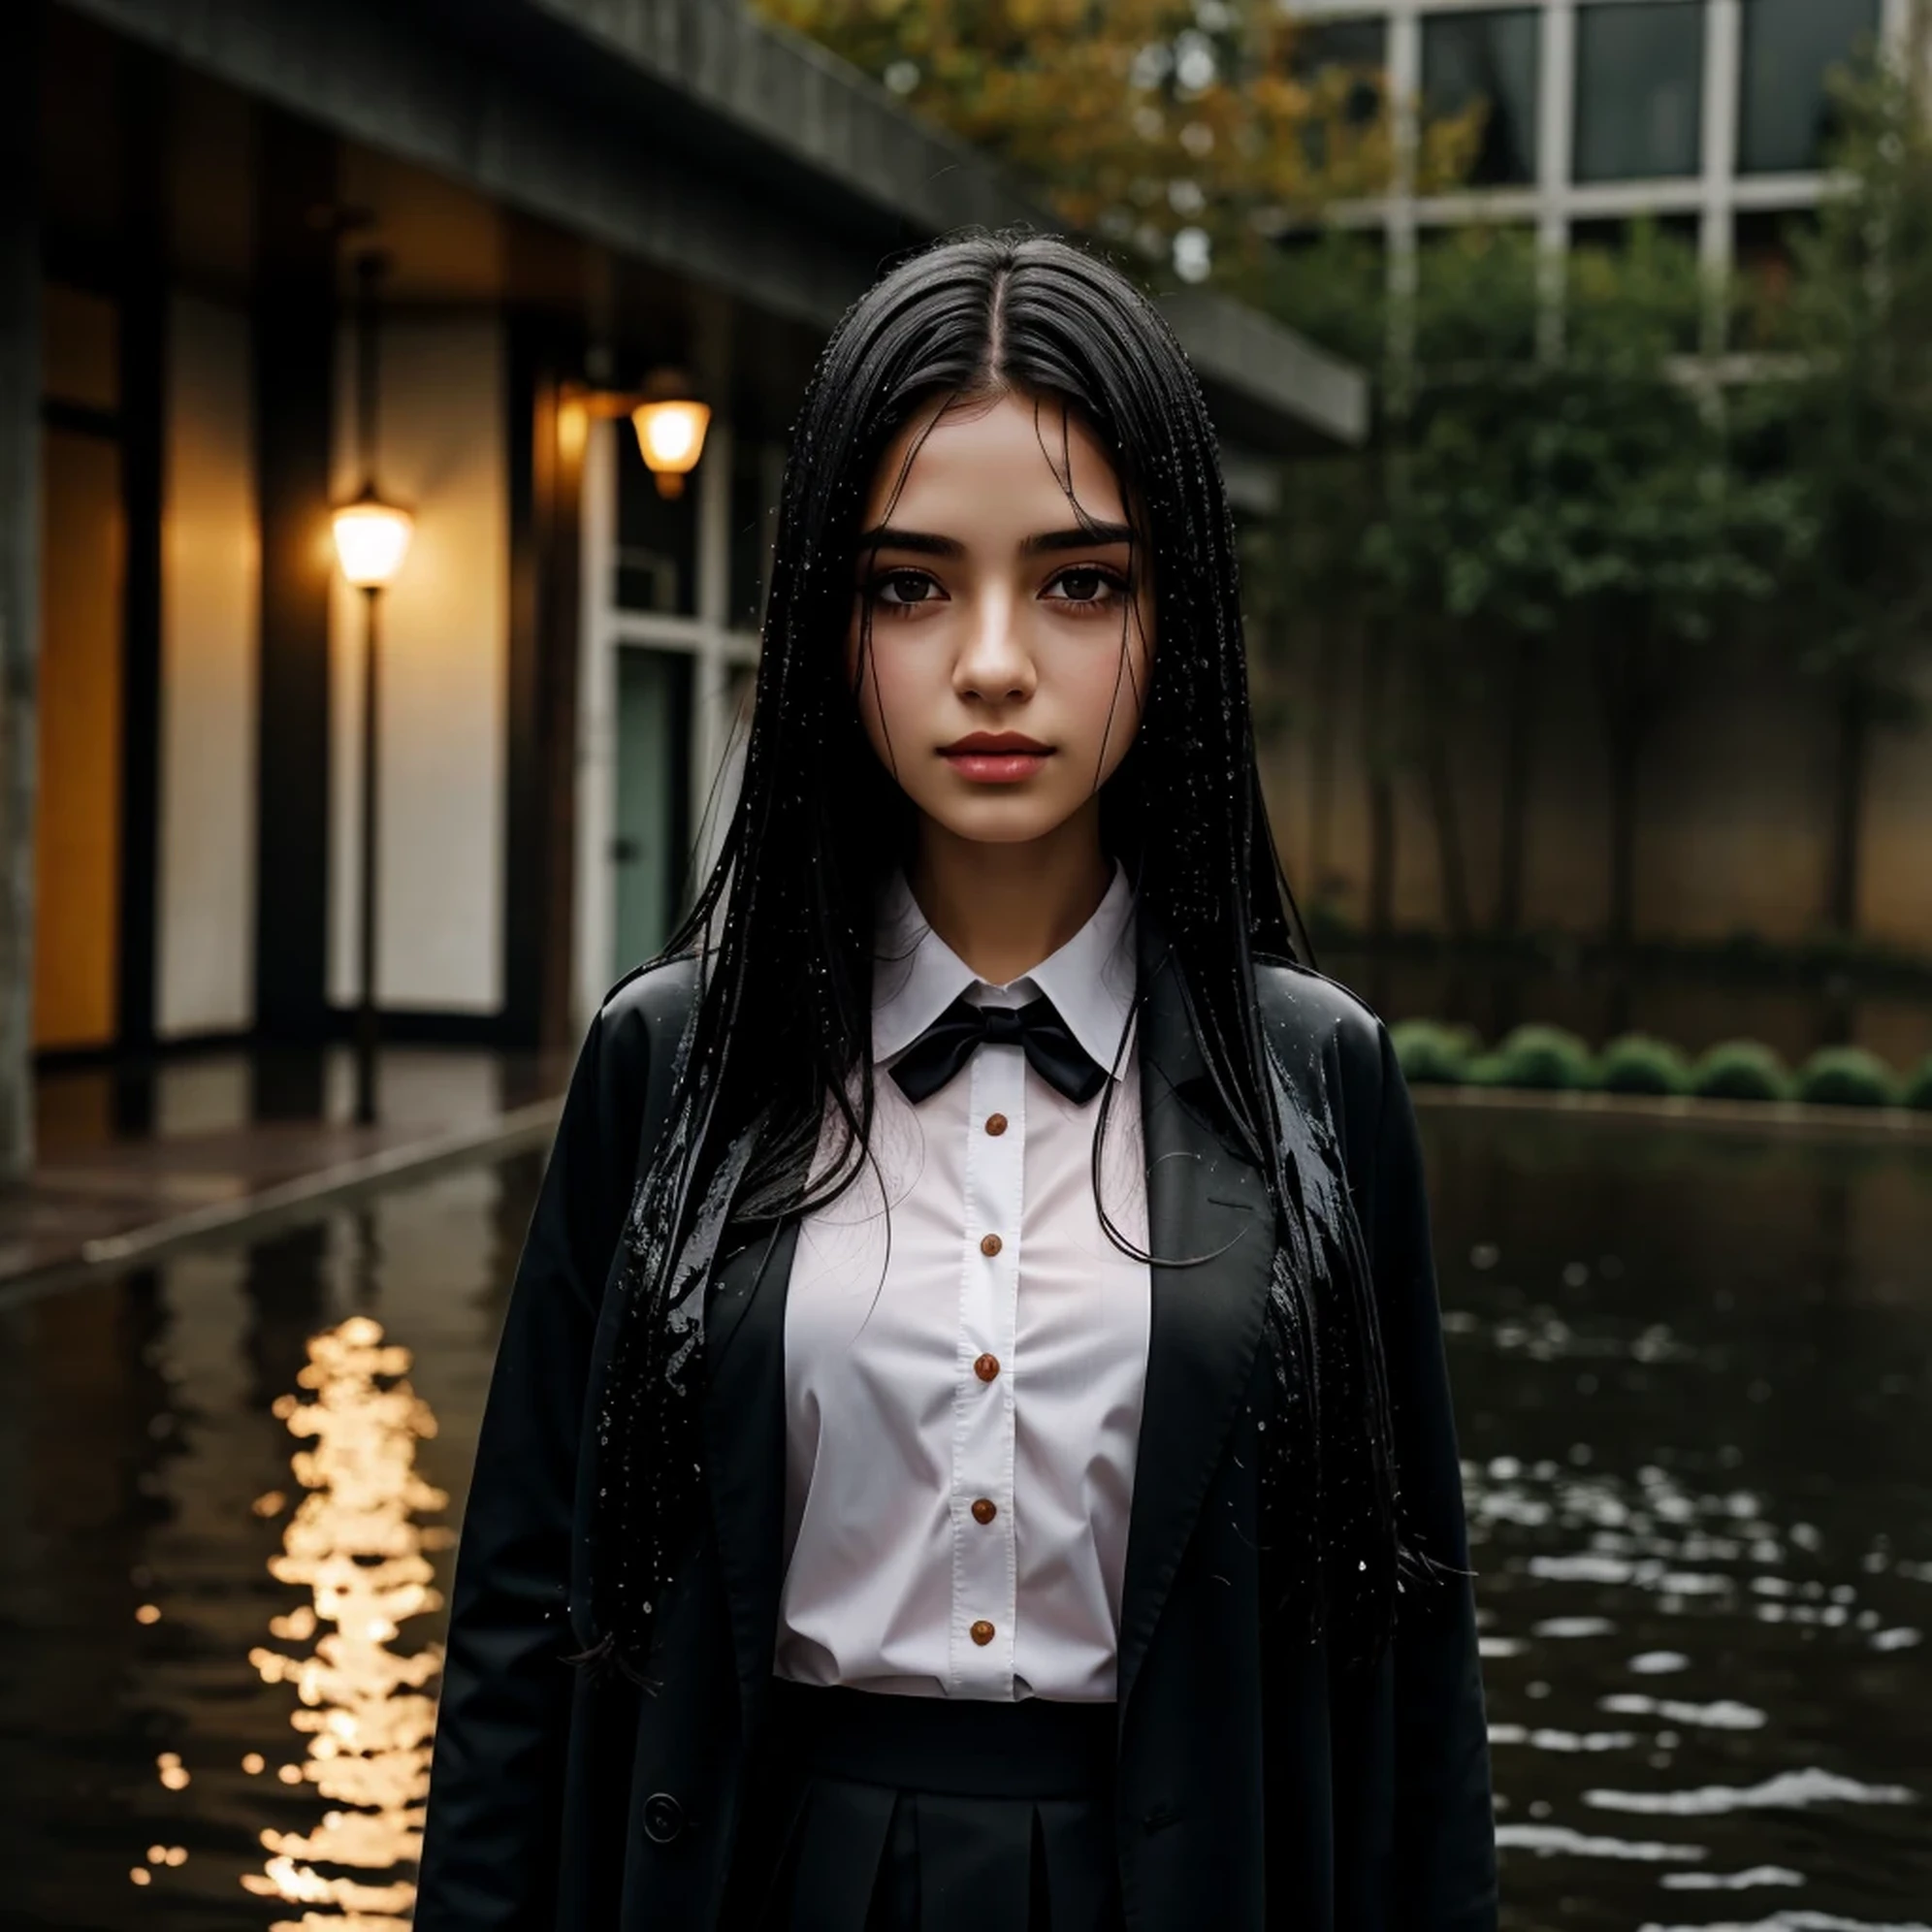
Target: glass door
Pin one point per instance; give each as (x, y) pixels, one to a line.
(652, 835)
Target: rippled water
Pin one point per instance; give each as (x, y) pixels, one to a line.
(1692, 1377)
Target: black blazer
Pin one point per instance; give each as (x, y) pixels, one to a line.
(1259, 1787)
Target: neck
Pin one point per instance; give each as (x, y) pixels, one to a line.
(1005, 908)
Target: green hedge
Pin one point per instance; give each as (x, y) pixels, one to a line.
(1636, 1063)
(1551, 1059)
(1488, 1069)
(1847, 1077)
(1740, 1070)
(1546, 1057)
(1919, 1086)
(1431, 1054)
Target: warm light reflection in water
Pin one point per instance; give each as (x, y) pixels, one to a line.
(355, 1543)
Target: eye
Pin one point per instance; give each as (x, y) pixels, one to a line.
(908, 590)
(1088, 587)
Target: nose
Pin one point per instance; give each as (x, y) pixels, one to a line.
(995, 661)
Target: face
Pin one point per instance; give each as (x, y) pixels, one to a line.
(997, 622)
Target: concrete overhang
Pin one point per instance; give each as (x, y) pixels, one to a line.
(823, 117)
(692, 134)
(1284, 390)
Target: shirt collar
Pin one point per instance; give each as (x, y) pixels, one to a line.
(1090, 979)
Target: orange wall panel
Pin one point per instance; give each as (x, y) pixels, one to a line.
(77, 835)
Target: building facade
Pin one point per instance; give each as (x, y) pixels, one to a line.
(1709, 115)
(564, 195)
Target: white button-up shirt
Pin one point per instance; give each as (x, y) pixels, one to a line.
(961, 1426)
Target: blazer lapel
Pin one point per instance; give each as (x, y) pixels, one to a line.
(1204, 1198)
(744, 1428)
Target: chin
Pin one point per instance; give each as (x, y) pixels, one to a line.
(1014, 822)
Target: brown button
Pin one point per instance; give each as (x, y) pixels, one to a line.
(996, 1123)
(986, 1368)
(990, 1245)
(981, 1633)
(986, 1509)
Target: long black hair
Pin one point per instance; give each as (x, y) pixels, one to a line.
(784, 924)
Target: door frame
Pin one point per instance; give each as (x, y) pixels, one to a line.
(720, 651)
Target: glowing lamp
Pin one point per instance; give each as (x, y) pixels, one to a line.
(372, 539)
(670, 425)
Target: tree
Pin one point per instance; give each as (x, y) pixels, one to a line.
(1310, 615)
(1312, 604)
(1529, 490)
(1854, 428)
(1455, 549)
(1192, 129)
(1543, 492)
(1410, 551)
(1654, 533)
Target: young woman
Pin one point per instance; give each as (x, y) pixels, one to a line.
(970, 1443)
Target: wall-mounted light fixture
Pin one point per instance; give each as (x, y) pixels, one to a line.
(670, 424)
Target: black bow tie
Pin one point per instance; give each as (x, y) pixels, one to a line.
(947, 1044)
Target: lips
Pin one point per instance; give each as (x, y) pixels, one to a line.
(996, 758)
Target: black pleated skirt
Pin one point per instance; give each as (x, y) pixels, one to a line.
(896, 1814)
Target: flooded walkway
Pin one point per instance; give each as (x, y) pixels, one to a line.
(1691, 1376)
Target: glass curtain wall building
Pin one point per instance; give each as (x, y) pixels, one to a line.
(1710, 114)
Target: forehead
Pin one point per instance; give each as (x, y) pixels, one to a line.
(1008, 460)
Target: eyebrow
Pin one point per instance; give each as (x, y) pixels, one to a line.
(927, 544)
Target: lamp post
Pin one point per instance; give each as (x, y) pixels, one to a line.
(372, 538)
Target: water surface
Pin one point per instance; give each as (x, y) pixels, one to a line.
(1692, 1377)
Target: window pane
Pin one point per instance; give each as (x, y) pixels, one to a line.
(1359, 48)
(1789, 45)
(1639, 90)
(1489, 59)
(653, 831)
(756, 470)
(1340, 44)
(1345, 66)
(656, 537)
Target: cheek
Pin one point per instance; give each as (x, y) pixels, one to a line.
(881, 692)
(1109, 688)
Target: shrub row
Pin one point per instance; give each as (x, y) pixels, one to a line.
(1550, 1058)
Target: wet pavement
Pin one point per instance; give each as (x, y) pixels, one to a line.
(133, 1159)
(1692, 1374)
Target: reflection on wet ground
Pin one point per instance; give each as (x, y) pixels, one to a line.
(1691, 1375)
(225, 1479)
(354, 1540)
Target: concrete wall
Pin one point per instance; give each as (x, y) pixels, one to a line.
(1735, 803)
(1896, 902)
(443, 676)
(210, 636)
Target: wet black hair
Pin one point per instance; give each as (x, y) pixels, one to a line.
(784, 920)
